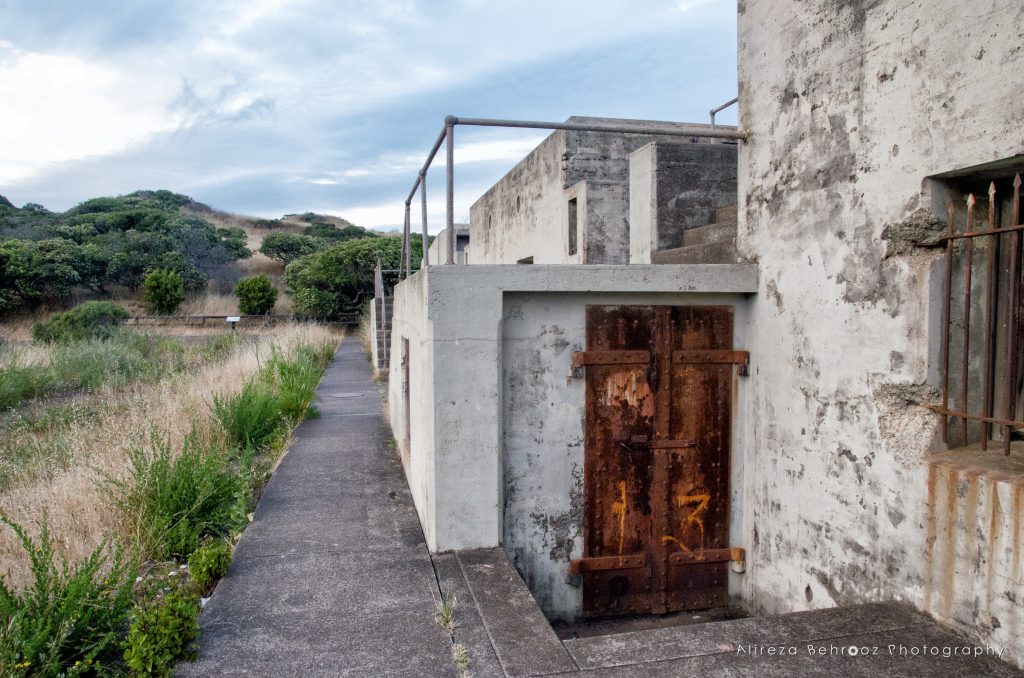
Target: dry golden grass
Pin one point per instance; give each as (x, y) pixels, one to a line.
(210, 303)
(78, 511)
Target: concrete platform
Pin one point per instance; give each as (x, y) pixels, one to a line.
(887, 638)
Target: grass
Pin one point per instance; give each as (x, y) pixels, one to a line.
(445, 616)
(93, 435)
(179, 496)
(460, 656)
(127, 356)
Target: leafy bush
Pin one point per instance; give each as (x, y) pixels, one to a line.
(91, 320)
(208, 563)
(164, 291)
(69, 621)
(164, 629)
(333, 234)
(256, 295)
(251, 418)
(176, 500)
(286, 247)
(338, 280)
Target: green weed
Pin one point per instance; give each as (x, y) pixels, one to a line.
(174, 501)
(209, 563)
(164, 627)
(68, 622)
(251, 418)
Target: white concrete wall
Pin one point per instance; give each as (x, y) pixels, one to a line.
(410, 322)
(643, 211)
(849, 107)
(543, 432)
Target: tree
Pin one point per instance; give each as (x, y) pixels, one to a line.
(338, 280)
(256, 295)
(287, 247)
(333, 234)
(164, 291)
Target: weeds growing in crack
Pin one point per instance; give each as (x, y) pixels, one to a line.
(461, 658)
(445, 616)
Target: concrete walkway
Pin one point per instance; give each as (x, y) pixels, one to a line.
(333, 577)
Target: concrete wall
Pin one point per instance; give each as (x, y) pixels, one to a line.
(850, 106)
(438, 250)
(525, 215)
(453, 319)
(543, 411)
(675, 186)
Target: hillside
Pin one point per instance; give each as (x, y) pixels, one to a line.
(104, 247)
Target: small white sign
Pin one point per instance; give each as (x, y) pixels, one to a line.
(234, 318)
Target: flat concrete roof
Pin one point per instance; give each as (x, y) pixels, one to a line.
(707, 278)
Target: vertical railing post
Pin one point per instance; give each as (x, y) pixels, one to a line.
(423, 203)
(449, 135)
(401, 257)
(408, 239)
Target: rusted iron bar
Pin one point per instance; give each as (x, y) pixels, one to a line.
(581, 358)
(946, 311)
(423, 204)
(710, 357)
(990, 318)
(709, 556)
(660, 128)
(970, 234)
(967, 415)
(449, 135)
(968, 273)
(1012, 323)
(581, 565)
(719, 109)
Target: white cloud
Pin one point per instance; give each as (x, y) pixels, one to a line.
(60, 108)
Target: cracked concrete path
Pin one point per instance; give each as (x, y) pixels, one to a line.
(333, 576)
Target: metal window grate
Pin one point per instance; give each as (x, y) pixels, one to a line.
(983, 376)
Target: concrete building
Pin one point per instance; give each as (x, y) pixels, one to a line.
(821, 471)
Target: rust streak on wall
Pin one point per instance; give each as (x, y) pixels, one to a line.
(948, 553)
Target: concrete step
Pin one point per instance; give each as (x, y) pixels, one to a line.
(709, 233)
(726, 215)
(719, 252)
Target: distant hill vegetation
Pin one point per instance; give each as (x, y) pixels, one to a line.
(115, 242)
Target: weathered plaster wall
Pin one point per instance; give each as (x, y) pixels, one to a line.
(849, 107)
(543, 429)
(438, 250)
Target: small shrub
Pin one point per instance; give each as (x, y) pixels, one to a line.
(176, 500)
(251, 418)
(91, 320)
(164, 629)
(256, 295)
(164, 291)
(208, 563)
(69, 620)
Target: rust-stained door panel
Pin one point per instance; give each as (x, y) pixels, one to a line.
(658, 403)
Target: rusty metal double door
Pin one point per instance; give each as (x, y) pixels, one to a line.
(659, 384)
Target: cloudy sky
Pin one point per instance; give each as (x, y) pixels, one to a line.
(269, 107)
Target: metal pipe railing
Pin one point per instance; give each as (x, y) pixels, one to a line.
(447, 137)
(716, 111)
